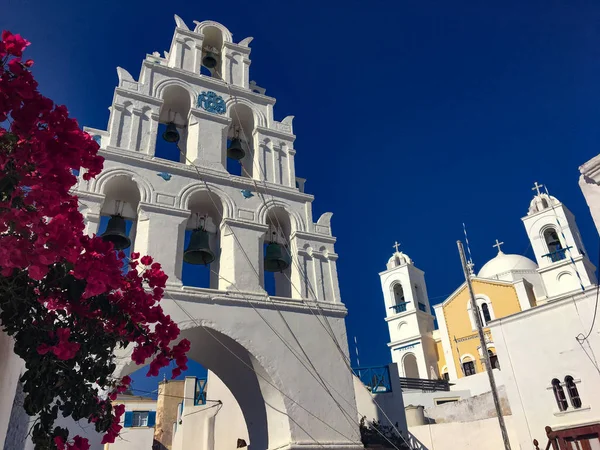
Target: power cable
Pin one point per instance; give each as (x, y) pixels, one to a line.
(326, 324)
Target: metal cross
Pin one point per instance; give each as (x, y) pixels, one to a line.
(536, 187)
(498, 244)
(396, 245)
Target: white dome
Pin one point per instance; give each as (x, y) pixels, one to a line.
(504, 263)
(398, 259)
(541, 202)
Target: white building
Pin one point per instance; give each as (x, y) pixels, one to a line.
(138, 424)
(538, 321)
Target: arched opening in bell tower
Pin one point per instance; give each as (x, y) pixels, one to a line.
(201, 247)
(118, 214)
(555, 248)
(277, 259)
(240, 149)
(252, 406)
(212, 51)
(171, 139)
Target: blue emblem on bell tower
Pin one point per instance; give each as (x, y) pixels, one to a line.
(211, 102)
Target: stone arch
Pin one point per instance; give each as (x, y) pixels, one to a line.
(228, 205)
(260, 119)
(262, 214)
(243, 124)
(202, 26)
(243, 371)
(161, 86)
(410, 366)
(145, 188)
(397, 293)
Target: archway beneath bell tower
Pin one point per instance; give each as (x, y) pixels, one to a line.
(261, 403)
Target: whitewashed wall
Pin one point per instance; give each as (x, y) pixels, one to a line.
(477, 435)
(134, 438)
(10, 371)
(540, 344)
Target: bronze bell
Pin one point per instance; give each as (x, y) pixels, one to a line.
(235, 150)
(209, 60)
(277, 259)
(116, 233)
(198, 250)
(171, 134)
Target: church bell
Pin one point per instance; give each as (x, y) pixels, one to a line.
(209, 60)
(235, 150)
(171, 134)
(116, 233)
(198, 250)
(277, 259)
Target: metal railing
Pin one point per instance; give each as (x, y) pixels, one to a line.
(424, 385)
(401, 307)
(200, 392)
(376, 379)
(557, 255)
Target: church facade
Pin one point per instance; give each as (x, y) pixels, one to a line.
(506, 285)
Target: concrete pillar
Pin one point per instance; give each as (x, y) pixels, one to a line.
(134, 140)
(291, 167)
(150, 147)
(160, 233)
(115, 124)
(239, 269)
(333, 278)
(207, 139)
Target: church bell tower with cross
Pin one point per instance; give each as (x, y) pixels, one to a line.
(409, 317)
(563, 262)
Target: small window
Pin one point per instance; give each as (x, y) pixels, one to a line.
(493, 360)
(485, 313)
(469, 368)
(559, 395)
(140, 419)
(573, 392)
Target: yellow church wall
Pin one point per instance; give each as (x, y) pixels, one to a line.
(441, 359)
(504, 301)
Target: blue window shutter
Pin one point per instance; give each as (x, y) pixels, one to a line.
(128, 419)
(151, 418)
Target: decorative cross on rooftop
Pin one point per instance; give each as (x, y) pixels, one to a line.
(498, 244)
(396, 245)
(470, 266)
(536, 187)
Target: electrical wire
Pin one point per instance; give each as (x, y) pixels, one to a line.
(580, 337)
(325, 324)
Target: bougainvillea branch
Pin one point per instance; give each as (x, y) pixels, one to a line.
(65, 297)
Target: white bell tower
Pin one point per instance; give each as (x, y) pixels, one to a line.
(409, 318)
(562, 260)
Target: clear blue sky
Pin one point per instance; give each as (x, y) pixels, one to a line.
(411, 116)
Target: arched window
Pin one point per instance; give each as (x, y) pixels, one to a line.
(559, 395)
(485, 313)
(398, 294)
(493, 360)
(573, 392)
(468, 367)
(555, 248)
